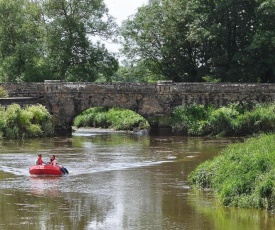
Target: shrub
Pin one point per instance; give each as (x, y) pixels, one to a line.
(191, 119)
(32, 121)
(34, 130)
(39, 113)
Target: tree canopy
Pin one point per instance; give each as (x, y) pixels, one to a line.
(179, 40)
(192, 40)
(55, 39)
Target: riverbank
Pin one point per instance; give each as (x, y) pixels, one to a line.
(237, 119)
(243, 175)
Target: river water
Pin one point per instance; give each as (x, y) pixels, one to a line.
(116, 181)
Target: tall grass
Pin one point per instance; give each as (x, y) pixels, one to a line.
(191, 119)
(115, 118)
(93, 117)
(243, 175)
(235, 119)
(32, 121)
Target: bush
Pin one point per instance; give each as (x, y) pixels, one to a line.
(32, 121)
(191, 119)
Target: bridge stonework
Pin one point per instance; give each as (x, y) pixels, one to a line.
(65, 100)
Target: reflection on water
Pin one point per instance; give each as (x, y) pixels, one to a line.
(45, 185)
(116, 181)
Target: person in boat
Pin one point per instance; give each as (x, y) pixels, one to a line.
(39, 160)
(53, 162)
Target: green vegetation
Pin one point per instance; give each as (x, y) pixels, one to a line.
(32, 121)
(179, 40)
(55, 40)
(235, 119)
(196, 40)
(243, 175)
(115, 118)
(3, 93)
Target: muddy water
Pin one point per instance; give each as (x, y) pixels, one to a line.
(115, 181)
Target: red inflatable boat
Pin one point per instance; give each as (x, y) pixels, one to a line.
(45, 170)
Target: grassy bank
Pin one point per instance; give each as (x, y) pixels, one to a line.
(233, 120)
(243, 175)
(114, 118)
(236, 119)
(31, 121)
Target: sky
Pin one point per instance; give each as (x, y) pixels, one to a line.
(121, 10)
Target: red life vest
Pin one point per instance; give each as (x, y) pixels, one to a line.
(39, 161)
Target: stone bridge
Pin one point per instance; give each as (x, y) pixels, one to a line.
(66, 100)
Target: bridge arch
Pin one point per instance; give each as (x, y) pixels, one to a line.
(68, 100)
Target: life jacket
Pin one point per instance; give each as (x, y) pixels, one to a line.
(39, 161)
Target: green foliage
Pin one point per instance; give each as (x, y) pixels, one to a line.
(3, 93)
(242, 175)
(198, 40)
(34, 130)
(3, 120)
(222, 121)
(135, 73)
(211, 79)
(262, 117)
(157, 37)
(93, 117)
(191, 119)
(72, 53)
(116, 118)
(122, 119)
(21, 29)
(236, 119)
(32, 121)
(54, 40)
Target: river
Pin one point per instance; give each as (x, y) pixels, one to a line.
(116, 181)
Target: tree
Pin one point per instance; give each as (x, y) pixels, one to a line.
(71, 27)
(189, 40)
(263, 43)
(135, 73)
(55, 39)
(235, 30)
(21, 56)
(157, 35)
